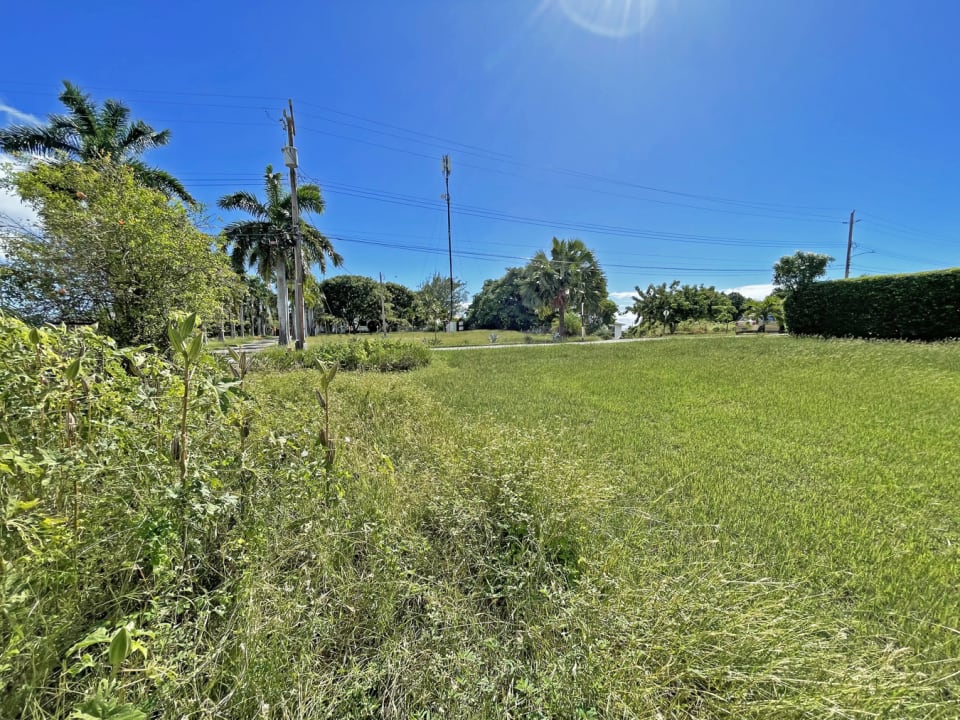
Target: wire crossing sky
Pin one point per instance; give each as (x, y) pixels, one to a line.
(678, 139)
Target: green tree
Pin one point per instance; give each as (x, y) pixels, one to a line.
(670, 305)
(354, 299)
(794, 272)
(88, 133)
(400, 303)
(266, 241)
(433, 299)
(737, 300)
(568, 278)
(123, 256)
(761, 310)
(500, 305)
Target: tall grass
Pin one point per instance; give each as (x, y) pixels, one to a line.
(684, 529)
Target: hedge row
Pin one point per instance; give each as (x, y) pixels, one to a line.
(918, 306)
(354, 354)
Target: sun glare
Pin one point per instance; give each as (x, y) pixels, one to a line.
(611, 18)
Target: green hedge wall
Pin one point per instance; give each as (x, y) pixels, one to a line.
(919, 306)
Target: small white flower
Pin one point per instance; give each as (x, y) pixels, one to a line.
(346, 439)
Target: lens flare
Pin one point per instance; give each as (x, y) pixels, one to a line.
(610, 18)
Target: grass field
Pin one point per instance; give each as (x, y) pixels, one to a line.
(467, 338)
(716, 527)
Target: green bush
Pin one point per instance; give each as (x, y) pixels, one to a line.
(116, 536)
(355, 354)
(918, 306)
(571, 325)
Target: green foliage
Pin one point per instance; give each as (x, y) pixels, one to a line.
(760, 310)
(796, 272)
(400, 305)
(266, 239)
(669, 306)
(112, 252)
(918, 306)
(432, 304)
(571, 325)
(500, 305)
(379, 354)
(529, 563)
(570, 277)
(91, 134)
(352, 299)
(737, 301)
(100, 600)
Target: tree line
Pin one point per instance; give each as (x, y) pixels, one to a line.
(118, 244)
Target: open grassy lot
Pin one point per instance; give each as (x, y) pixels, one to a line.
(831, 464)
(723, 527)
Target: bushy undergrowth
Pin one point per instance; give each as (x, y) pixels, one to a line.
(435, 566)
(355, 354)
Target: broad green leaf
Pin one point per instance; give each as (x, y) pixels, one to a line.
(73, 369)
(196, 347)
(176, 341)
(34, 337)
(119, 648)
(189, 323)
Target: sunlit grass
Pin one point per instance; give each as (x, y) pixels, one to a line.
(831, 464)
(717, 527)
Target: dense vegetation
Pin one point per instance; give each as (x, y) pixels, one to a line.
(352, 354)
(109, 251)
(455, 542)
(918, 306)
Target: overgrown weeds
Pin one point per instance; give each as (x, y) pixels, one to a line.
(359, 548)
(355, 354)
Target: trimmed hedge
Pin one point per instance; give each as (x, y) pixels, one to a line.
(918, 306)
(355, 354)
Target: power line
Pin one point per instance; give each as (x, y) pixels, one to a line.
(465, 148)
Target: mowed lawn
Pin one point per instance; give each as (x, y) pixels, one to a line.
(830, 465)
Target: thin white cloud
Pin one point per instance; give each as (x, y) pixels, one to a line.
(626, 295)
(754, 292)
(12, 211)
(18, 116)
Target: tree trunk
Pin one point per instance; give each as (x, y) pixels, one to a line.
(233, 334)
(243, 327)
(563, 319)
(283, 316)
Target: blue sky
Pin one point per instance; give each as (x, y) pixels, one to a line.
(697, 140)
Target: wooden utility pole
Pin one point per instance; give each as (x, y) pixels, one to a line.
(846, 271)
(383, 308)
(290, 160)
(445, 163)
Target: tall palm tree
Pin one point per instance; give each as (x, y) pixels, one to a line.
(88, 132)
(266, 240)
(569, 275)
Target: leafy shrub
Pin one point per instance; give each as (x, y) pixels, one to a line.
(120, 482)
(571, 324)
(355, 354)
(918, 306)
(603, 332)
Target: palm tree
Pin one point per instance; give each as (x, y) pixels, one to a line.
(88, 133)
(266, 240)
(569, 275)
